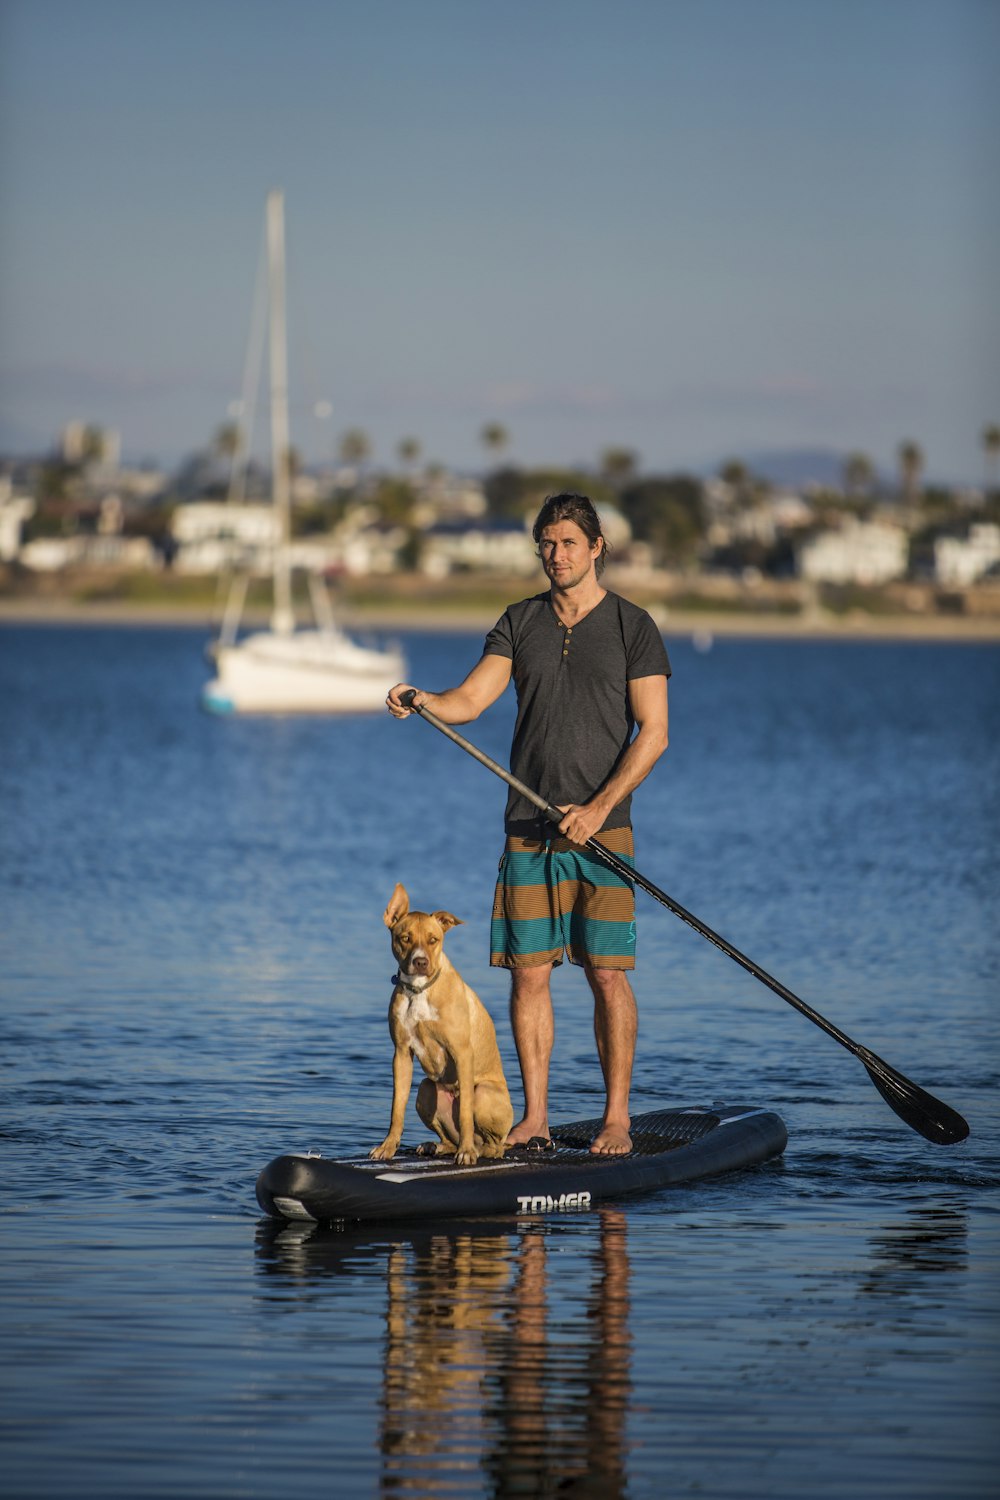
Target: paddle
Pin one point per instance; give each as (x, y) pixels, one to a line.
(935, 1121)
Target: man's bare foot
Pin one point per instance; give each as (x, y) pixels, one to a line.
(526, 1130)
(611, 1140)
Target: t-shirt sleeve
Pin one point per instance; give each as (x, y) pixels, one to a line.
(500, 640)
(646, 655)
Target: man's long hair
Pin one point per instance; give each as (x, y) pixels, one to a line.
(569, 506)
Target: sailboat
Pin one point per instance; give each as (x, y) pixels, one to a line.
(285, 669)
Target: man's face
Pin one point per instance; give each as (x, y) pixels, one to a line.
(567, 557)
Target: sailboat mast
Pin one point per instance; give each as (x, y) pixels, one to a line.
(282, 619)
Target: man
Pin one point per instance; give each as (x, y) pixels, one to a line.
(588, 667)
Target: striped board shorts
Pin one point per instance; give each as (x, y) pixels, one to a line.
(552, 896)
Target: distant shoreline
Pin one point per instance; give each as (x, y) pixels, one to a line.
(698, 624)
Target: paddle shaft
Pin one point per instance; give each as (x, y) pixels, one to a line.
(937, 1121)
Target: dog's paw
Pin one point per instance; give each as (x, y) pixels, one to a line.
(493, 1150)
(385, 1152)
(466, 1158)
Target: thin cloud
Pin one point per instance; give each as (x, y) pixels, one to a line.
(84, 382)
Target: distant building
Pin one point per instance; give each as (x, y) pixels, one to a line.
(81, 441)
(959, 561)
(453, 496)
(141, 484)
(477, 546)
(14, 511)
(370, 549)
(861, 552)
(213, 535)
(51, 554)
(771, 516)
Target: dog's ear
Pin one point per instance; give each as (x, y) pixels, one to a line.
(447, 920)
(399, 905)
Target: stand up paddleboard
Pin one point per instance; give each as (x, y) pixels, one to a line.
(669, 1147)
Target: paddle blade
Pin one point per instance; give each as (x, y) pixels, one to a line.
(935, 1121)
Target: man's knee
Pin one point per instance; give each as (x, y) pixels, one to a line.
(609, 985)
(530, 982)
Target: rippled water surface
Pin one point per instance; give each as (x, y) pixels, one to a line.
(194, 977)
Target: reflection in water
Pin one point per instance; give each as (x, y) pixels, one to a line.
(906, 1257)
(443, 1299)
(490, 1366)
(560, 1404)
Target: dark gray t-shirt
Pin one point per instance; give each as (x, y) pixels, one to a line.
(574, 721)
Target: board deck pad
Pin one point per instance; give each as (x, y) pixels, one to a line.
(669, 1146)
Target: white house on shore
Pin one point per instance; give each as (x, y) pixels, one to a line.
(14, 511)
(214, 535)
(218, 536)
(959, 561)
(864, 552)
(51, 554)
(477, 546)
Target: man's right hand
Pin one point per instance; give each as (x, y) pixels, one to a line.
(393, 704)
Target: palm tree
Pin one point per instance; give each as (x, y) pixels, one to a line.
(494, 437)
(93, 444)
(618, 466)
(354, 448)
(991, 448)
(736, 475)
(911, 466)
(227, 439)
(408, 451)
(859, 471)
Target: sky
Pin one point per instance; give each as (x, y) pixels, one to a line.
(698, 229)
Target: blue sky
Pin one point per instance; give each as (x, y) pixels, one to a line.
(698, 228)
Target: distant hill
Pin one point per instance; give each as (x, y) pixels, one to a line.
(794, 468)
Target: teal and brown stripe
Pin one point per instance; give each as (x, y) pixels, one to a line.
(553, 896)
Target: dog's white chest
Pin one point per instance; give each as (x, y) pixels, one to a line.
(417, 1010)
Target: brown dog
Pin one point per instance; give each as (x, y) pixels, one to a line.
(435, 1017)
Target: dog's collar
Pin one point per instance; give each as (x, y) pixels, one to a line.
(400, 981)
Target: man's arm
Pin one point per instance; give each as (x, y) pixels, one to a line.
(462, 704)
(648, 700)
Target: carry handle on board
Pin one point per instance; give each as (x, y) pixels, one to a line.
(935, 1121)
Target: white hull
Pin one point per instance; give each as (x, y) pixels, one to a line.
(305, 671)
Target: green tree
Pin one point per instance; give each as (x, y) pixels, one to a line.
(494, 438)
(93, 444)
(354, 448)
(505, 491)
(859, 471)
(668, 513)
(395, 499)
(228, 440)
(991, 449)
(618, 466)
(513, 493)
(911, 467)
(53, 482)
(408, 451)
(735, 473)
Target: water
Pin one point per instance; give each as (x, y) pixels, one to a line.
(194, 976)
